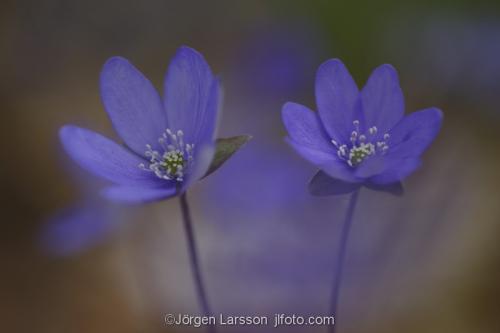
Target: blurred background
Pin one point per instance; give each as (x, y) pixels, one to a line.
(426, 262)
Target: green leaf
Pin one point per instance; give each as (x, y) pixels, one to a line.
(224, 149)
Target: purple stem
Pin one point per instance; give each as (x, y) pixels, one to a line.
(346, 227)
(193, 258)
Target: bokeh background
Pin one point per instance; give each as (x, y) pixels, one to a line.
(426, 262)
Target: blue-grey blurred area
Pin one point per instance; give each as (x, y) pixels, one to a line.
(428, 261)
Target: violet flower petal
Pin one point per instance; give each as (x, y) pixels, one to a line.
(304, 128)
(326, 162)
(77, 228)
(397, 169)
(371, 166)
(105, 158)
(191, 96)
(203, 156)
(336, 98)
(414, 133)
(133, 105)
(382, 99)
(137, 195)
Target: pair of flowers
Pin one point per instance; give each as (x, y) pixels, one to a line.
(356, 138)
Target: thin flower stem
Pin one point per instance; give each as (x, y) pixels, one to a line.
(346, 227)
(195, 264)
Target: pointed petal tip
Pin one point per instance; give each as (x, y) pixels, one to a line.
(334, 65)
(386, 70)
(438, 113)
(185, 48)
(387, 67)
(65, 129)
(192, 58)
(186, 52)
(113, 64)
(67, 133)
(287, 105)
(333, 62)
(64, 134)
(287, 109)
(115, 59)
(391, 71)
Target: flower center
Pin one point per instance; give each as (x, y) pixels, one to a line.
(174, 160)
(361, 145)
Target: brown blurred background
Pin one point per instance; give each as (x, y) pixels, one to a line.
(447, 54)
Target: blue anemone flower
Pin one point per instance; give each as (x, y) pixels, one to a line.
(169, 142)
(82, 225)
(359, 138)
(79, 227)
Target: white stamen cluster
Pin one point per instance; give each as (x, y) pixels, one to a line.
(175, 160)
(361, 145)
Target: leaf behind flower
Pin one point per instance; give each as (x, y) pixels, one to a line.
(224, 149)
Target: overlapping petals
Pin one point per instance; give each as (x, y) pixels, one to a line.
(104, 158)
(140, 117)
(382, 99)
(349, 120)
(337, 98)
(132, 104)
(191, 96)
